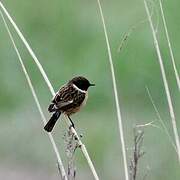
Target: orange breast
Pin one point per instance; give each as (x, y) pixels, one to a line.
(76, 109)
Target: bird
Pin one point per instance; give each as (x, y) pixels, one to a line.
(70, 98)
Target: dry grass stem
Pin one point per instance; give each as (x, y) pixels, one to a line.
(60, 165)
(82, 146)
(121, 133)
(169, 45)
(127, 34)
(137, 153)
(145, 125)
(134, 27)
(170, 105)
(28, 48)
(83, 149)
(71, 146)
(160, 120)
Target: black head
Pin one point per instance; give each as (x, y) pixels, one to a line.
(81, 82)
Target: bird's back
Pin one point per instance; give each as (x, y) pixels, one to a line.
(68, 100)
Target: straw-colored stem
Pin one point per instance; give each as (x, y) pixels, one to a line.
(170, 105)
(28, 48)
(160, 119)
(83, 148)
(115, 94)
(63, 173)
(169, 45)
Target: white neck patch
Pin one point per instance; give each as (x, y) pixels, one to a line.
(83, 91)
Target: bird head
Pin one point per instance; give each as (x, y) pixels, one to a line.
(81, 82)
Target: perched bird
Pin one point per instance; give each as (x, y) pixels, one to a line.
(68, 100)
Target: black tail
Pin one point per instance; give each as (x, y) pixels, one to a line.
(50, 124)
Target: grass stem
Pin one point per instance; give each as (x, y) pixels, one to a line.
(160, 119)
(82, 147)
(60, 165)
(166, 86)
(121, 133)
(169, 45)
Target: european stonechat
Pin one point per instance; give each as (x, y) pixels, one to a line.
(68, 100)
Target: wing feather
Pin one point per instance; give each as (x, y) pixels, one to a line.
(67, 98)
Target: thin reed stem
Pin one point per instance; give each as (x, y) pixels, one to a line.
(169, 45)
(121, 133)
(60, 165)
(160, 119)
(170, 105)
(28, 48)
(82, 147)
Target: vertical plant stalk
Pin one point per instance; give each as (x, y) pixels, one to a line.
(60, 165)
(115, 94)
(28, 48)
(169, 45)
(82, 146)
(70, 148)
(83, 149)
(170, 105)
(160, 120)
(137, 153)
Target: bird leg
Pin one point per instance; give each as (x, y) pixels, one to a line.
(72, 124)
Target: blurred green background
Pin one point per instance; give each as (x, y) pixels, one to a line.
(68, 39)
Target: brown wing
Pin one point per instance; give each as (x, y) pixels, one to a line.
(67, 98)
(75, 106)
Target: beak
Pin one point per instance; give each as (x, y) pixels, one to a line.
(92, 85)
